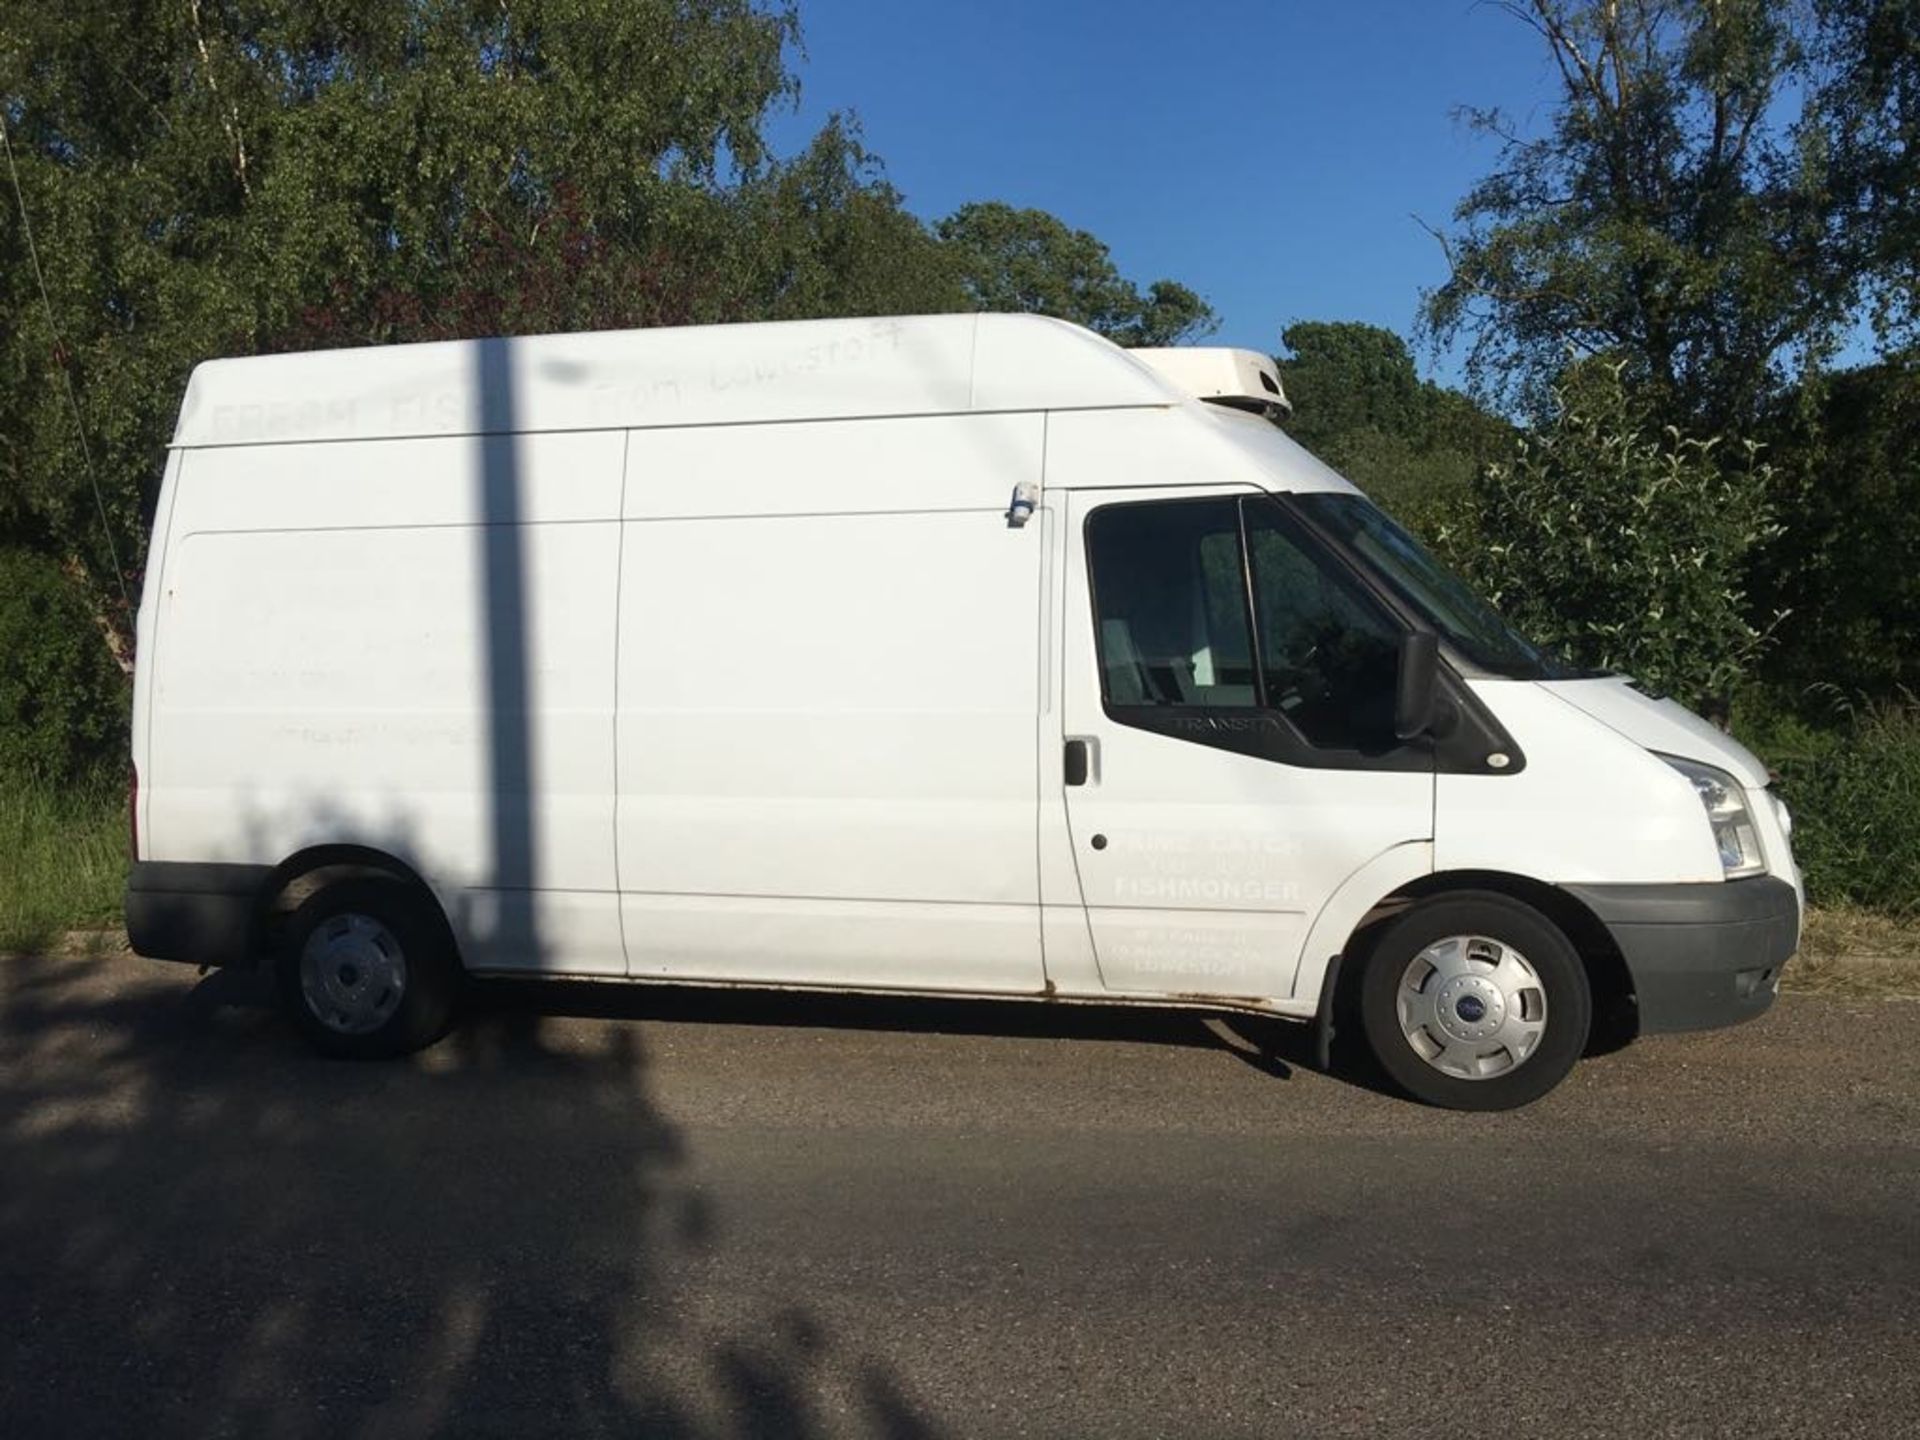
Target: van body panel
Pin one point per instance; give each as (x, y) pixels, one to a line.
(1346, 907)
(713, 375)
(146, 640)
(1277, 461)
(826, 941)
(1557, 820)
(1201, 868)
(329, 677)
(1191, 444)
(903, 465)
(1072, 967)
(823, 715)
(402, 484)
(1659, 724)
(1662, 726)
(1066, 939)
(1776, 842)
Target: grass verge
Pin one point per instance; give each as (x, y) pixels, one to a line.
(1847, 951)
(63, 861)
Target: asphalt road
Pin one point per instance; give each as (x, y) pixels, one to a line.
(613, 1212)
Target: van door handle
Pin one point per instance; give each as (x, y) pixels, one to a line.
(1077, 763)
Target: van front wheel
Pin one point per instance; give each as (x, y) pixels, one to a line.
(365, 971)
(1474, 1002)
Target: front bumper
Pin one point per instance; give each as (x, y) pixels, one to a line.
(1704, 955)
(202, 914)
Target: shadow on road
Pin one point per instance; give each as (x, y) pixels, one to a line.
(1275, 1047)
(204, 1229)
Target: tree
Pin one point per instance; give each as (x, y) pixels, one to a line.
(1848, 461)
(1360, 405)
(62, 700)
(825, 234)
(1623, 545)
(1867, 56)
(1032, 262)
(1723, 184)
(1344, 377)
(205, 177)
(821, 234)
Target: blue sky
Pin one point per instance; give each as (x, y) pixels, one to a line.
(1270, 153)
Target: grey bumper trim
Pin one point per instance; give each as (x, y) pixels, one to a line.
(200, 914)
(1704, 955)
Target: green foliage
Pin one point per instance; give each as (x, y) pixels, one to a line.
(1031, 262)
(825, 234)
(1622, 546)
(205, 179)
(1720, 187)
(1847, 483)
(821, 234)
(63, 859)
(62, 699)
(1866, 56)
(1346, 378)
(1854, 791)
(1360, 405)
(221, 178)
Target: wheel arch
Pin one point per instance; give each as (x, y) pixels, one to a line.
(306, 871)
(1615, 1018)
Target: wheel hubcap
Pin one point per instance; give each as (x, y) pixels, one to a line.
(353, 973)
(1472, 1007)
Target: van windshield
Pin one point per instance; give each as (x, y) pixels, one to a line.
(1440, 597)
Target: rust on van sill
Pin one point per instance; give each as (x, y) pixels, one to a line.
(1237, 1002)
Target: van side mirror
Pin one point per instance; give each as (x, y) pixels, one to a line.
(1416, 685)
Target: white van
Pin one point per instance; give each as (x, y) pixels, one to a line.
(962, 655)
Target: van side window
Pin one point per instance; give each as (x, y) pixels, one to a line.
(1172, 604)
(1177, 644)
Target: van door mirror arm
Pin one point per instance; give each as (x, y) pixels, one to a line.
(1416, 688)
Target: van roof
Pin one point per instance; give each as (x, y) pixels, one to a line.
(695, 375)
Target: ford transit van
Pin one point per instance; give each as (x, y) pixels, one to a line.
(961, 655)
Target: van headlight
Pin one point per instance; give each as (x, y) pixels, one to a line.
(1726, 805)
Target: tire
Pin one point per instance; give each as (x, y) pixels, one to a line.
(1473, 1001)
(366, 970)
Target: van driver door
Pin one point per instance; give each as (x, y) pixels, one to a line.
(1227, 733)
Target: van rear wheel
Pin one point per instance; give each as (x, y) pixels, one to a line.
(1474, 1002)
(365, 970)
